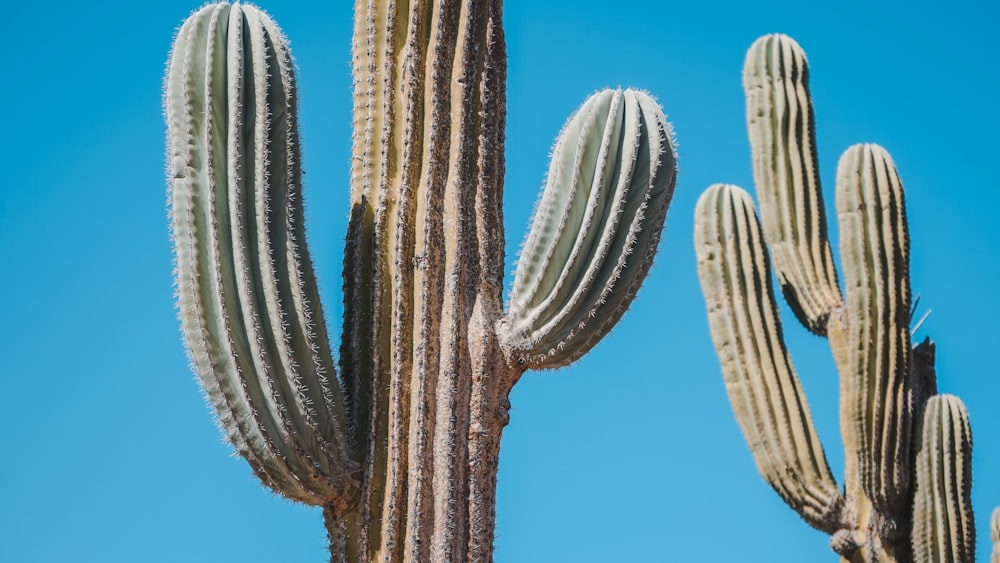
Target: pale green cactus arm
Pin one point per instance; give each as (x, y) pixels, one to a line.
(943, 526)
(763, 389)
(249, 304)
(875, 252)
(995, 535)
(786, 173)
(596, 227)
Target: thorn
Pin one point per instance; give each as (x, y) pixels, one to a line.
(920, 322)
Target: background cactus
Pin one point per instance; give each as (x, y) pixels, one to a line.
(401, 451)
(885, 381)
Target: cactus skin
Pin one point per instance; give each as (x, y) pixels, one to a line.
(401, 450)
(885, 380)
(943, 529)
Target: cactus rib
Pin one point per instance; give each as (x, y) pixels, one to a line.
(763, 389)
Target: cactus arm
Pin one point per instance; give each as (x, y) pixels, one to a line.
(248, 301)
(595, 229)
(783, 149)
(875, 254)
(763, 389)
(943, 526)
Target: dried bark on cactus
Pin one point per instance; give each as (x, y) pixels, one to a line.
(885, 380)
(400, 450)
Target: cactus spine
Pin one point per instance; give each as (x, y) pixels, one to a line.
(401, 448)
(907, 477)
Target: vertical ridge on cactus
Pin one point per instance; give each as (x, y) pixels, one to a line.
(884, 378)
(402, 449)
(943, 527)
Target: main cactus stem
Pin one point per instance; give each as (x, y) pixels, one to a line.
(401, 450)
(423, 276)
(907, 480)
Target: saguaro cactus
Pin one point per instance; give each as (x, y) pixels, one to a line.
(908, 450)
(401, 448)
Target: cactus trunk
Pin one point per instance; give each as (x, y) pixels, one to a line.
(423, 276)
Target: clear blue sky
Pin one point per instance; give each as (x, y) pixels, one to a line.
(110, 455)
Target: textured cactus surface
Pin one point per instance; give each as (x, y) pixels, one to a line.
(401, 447)
(907, 450)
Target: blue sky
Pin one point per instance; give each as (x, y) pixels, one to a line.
(631, 454)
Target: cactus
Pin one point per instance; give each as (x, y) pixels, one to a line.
(907, 450)
(401, 447)
(942, 510)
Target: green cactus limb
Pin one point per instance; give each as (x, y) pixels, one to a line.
(763, 389)
(943, 525)
(595, 228)
(786, 173)
(249, 305)
(875, 253)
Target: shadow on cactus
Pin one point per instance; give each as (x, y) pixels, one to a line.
(906, 495)
(401, 448)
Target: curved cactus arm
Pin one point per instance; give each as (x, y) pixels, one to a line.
(595, 230)
(995, 535)
(785, 168)
(943, 526)
(763, 389)
(875, 254)
(248, 300)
